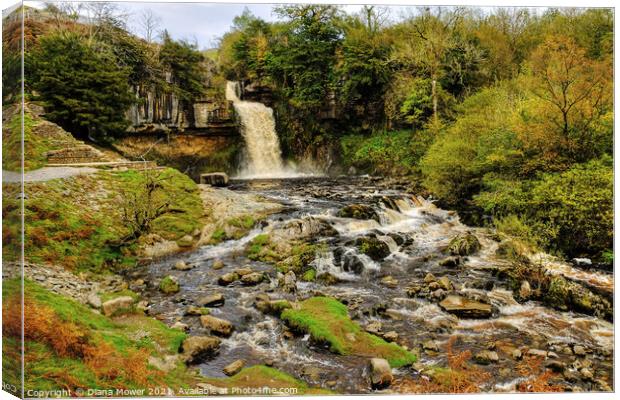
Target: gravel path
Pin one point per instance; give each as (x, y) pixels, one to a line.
(46, 174)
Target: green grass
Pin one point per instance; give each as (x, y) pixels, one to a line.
(47, 370)
(77, 223)
(327, 321)
(35, 146)
(261, 249)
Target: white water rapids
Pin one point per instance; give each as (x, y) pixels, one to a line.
(263, 155)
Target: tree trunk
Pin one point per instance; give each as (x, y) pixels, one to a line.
(434, 95)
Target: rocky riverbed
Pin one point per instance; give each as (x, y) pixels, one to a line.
(408, 273)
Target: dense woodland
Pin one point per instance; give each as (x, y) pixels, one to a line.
(506, 114)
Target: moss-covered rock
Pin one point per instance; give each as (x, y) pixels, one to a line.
(358, 211)
(169, 285)
(327, 321)
(373, 247)
(464, 244)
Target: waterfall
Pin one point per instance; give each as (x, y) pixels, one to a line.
(263, 156)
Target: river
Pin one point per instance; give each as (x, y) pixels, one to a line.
(415, 233)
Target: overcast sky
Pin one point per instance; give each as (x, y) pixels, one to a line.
(200, 22)
(204, 23)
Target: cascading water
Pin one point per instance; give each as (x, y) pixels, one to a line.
(263, 156)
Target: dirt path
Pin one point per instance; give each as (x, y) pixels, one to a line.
(46, 174)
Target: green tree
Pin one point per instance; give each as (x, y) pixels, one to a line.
(186, 64)
(83, 88)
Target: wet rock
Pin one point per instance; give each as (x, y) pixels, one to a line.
(143, 305)
(234, 367)
(252, 279)
(198, 348)
(117, 304)
(373, 247)
(390, 336)
(464, 244)
(182, 266)
(579, 350)
(289, 282)
(196, 311)
(374, 327)
(169, 285)
(525, 291)
(217, 179)
(380, 373)
(430, 345)
(517, 354)
(273, 307)
(243, 271)
(586, 374)
(213, 300)
(185, 241)
(227, 279)
(216, 325)
(465, 308)
(582, 262)
(180, 326)
(444, 283)
(358, 211)
(389, 281)
(438, 294)
(429, 278)
(433, 286)
(486, 357)
(450, 262)
(217, 264)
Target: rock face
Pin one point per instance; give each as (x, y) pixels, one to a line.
(380, 373)
(234, 367)
(197, 348)
(119, 303)
(216, 325)
(465, 308)
(218, 179)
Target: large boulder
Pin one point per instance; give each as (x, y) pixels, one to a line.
(465, 308)
(197, 348)
(111, 307)
(217, 326)
(214, 179)
(373, 247)
(358, 211)
(380, 373)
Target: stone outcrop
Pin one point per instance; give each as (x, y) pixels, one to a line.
(465, 308)
(197, 348)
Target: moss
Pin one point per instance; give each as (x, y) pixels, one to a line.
(261, 249)
(245, 222)
(358, 211)
(328, 322)
(168, 285)
(218, 236)
(464, 245)
(35, 145)
(260, 376)
(299, 258)
(309, 275)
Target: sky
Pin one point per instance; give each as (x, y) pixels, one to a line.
(197, 22)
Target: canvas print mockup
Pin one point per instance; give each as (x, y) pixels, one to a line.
(205, 199)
